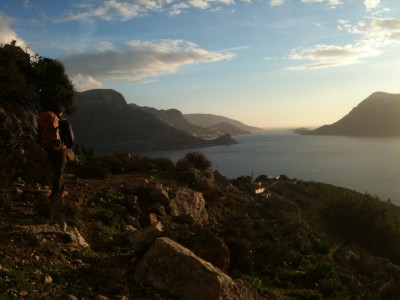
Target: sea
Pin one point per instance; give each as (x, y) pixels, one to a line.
(364, 164)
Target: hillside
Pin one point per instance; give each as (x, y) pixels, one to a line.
(174, 118)
(139, 228)
(177, 120)
(164, 231)
(208, 120)
(378, 115)
(224, 127)
(106, 123)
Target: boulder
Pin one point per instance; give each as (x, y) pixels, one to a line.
(212, 248)
(203, 243)
(189, 206)
(170, 267)
(144, 239)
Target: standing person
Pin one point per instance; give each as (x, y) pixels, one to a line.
(49, 139)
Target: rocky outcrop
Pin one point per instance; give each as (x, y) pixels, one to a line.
(143, 240)
(170, 267)
(189, 206)
(17, 123)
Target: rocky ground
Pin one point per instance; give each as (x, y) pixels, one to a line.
(174, 235)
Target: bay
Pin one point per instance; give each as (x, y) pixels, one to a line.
(364, 164)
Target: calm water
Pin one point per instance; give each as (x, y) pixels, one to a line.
(363, 164)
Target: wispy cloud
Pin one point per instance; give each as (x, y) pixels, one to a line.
(276, 2)
(120, 10)
(376, 33)
(108, 10)
(329, 2)
(332, 3)
(140, 60)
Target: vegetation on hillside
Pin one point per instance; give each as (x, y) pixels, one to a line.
(305, 240)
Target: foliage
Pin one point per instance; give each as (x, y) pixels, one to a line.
(6, 202)
(17, 75)
(100, 167)
(196, 160)
(32, 79)
(366, 222)
(54, 86)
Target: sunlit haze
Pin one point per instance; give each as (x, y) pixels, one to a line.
(276, 63)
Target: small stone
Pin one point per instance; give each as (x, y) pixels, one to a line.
(48, 280)
(130, 228)
(71, 297)
(23, 293)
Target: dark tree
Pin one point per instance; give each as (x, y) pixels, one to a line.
(17, 75)
(34, 80)
(54, 86)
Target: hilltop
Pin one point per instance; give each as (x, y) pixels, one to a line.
(377, 115)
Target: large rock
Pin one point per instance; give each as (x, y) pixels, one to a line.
(204, 244)
(144, 239)
(189, 206)
(170, 267)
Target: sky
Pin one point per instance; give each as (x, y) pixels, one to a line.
(266, 63)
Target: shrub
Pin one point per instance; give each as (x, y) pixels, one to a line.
(196, 160)
(92, 168)
(365, 221)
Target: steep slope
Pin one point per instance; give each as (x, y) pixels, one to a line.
(207, 120)
(378, 115)
(105, 122)
(174, 118)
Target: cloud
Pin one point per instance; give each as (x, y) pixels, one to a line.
(329, 2)
(7, 34)
(83, 83)
(376, 33)
(104, 46)
(332, 3)
(138, 61)
(177, 9)
(276, 2)
(108, 10)
(325, 56)
(371, 4)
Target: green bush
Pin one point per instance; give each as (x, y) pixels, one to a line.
(196, 160)
(364, 221)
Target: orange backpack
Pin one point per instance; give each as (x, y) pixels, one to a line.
(48, 135)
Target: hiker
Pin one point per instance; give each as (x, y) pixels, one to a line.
(49, 139)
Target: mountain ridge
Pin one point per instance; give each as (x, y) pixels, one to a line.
(208, 120)
(106, 123)
(377, 115)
